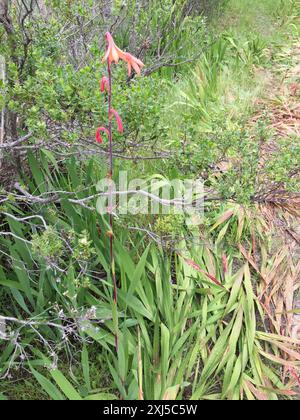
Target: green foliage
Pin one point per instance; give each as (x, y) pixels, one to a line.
(170, 225)
(189, 320)
(83, 247)
(48, 244)
(167, 306)
(283, 168)
(141, 105)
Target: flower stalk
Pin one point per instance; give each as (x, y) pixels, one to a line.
(113, 54)
(110, 202)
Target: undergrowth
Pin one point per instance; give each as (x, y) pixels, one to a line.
(203, 312)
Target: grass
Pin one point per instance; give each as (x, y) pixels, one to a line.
(226, 78)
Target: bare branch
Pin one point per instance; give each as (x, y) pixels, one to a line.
(24, 219)
(14, 236)
(17, 142)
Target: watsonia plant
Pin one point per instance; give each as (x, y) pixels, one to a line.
(113, 55)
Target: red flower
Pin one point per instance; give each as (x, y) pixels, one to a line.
(98, 134)
(134, 63)
(119, 121)
(104, 84)
(114, 54)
